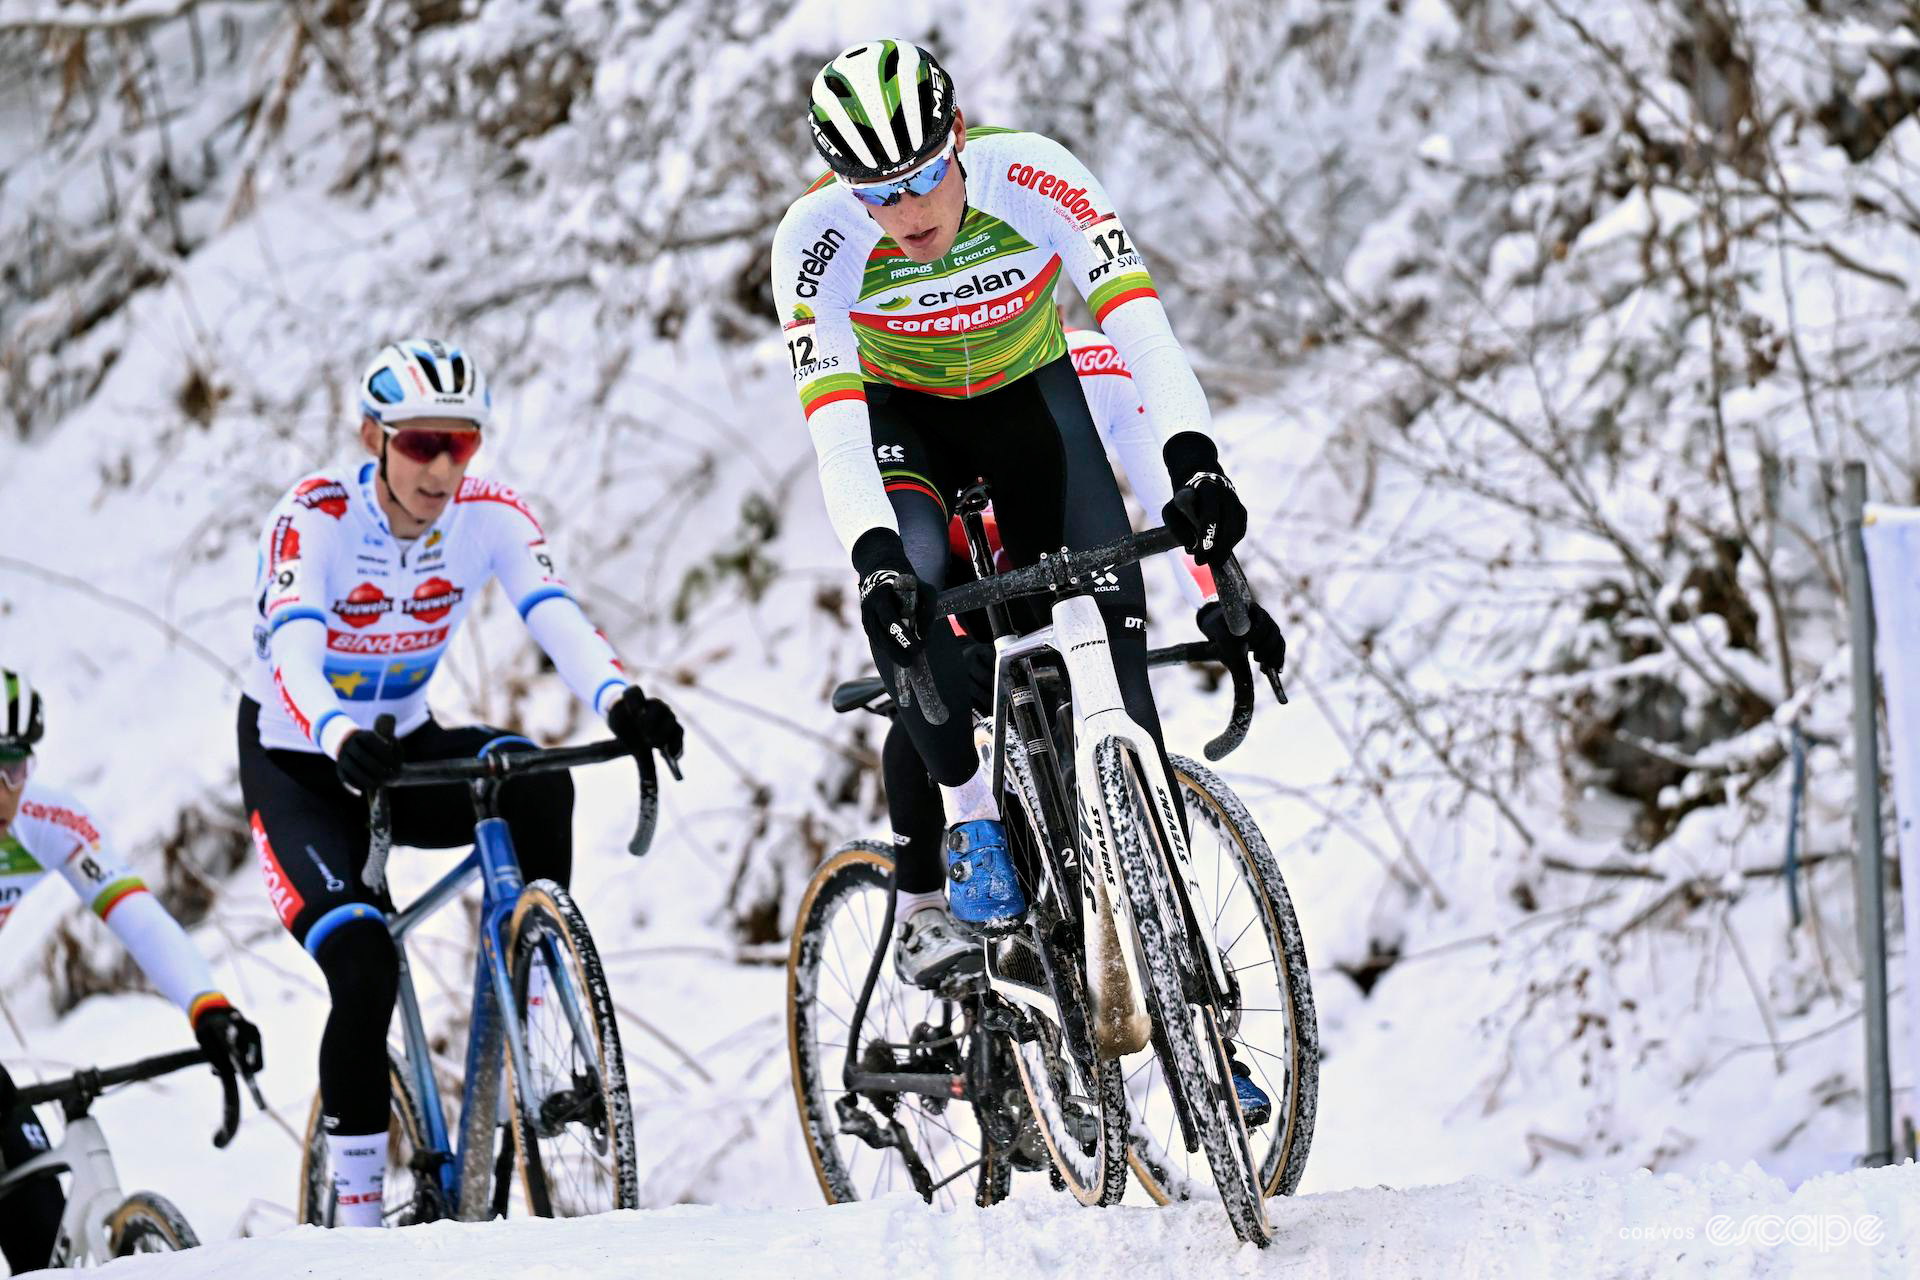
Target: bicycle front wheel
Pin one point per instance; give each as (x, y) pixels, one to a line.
(1269, 1020)
(573, 1123)
(148, 1223)
(409, 1193)
(1186, 1026)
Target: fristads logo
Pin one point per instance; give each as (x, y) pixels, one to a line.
(814, 260)
(432, 600)
(322, 494)
(363, 606)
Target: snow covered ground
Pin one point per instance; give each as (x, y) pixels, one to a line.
(1718, 1222)
(1523, 1018)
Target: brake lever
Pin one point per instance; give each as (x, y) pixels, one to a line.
(1273, 678)
(229, 1109)
(916, 683)
(379, 822)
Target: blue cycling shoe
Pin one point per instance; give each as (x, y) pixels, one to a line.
(982, 889)
(1256, 1108)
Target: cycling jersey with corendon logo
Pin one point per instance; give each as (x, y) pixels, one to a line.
(351, 622)
(53, 832)
(857, 310)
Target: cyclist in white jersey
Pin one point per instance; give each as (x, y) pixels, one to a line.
(364, 575)
(45, 830)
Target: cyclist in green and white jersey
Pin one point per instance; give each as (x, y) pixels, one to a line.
(44, 830)
(915, 282)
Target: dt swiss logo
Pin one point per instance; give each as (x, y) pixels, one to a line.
(323, 494)
(432, 600)
(363, 605)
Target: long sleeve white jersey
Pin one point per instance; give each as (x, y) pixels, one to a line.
(54, 832)
(350, 623)
(857, 310)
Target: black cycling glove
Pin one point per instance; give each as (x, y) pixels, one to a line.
(1205, 510)
(646, 724)
(896, 607)
(1263, 639)
(232, 1043)
(368, 761)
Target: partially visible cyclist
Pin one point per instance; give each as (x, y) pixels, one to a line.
(365, 573)
(915, 282)
(44, 829)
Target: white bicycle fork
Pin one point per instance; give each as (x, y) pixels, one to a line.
(1115, 992)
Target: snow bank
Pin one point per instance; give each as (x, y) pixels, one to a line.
(1721, 1222)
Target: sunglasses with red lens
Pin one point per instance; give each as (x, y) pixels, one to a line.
(424, 446)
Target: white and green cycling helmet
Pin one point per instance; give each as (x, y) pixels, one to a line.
(879, 109)
(23, 721)
(424, 378)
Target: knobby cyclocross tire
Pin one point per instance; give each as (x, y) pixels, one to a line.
(1086, 1134)
(816, 1042)
(1277, 983)
(575, 1151)
(407, 1201)
(148, 1223)
(1196, 1062)
(1090, 1150)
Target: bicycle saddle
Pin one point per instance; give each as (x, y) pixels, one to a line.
(857, 695)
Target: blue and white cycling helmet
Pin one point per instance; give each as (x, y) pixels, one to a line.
(424, 378)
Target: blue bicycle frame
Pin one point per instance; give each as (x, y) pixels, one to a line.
(464, 1174)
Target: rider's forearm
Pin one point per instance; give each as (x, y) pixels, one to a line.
(849, 477)
(1136, 444)
(582, 656)
(1161, 371)
(161, 948)
(299, 649)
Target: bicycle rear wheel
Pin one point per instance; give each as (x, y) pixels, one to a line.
(1186, 1030)
(575, 1145)
(410, 1193)
(1245, 911)
(854, 1140)
(147, 1222)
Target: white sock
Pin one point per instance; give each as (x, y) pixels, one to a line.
(912, 904)
(971, 800)
(359, 1173)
